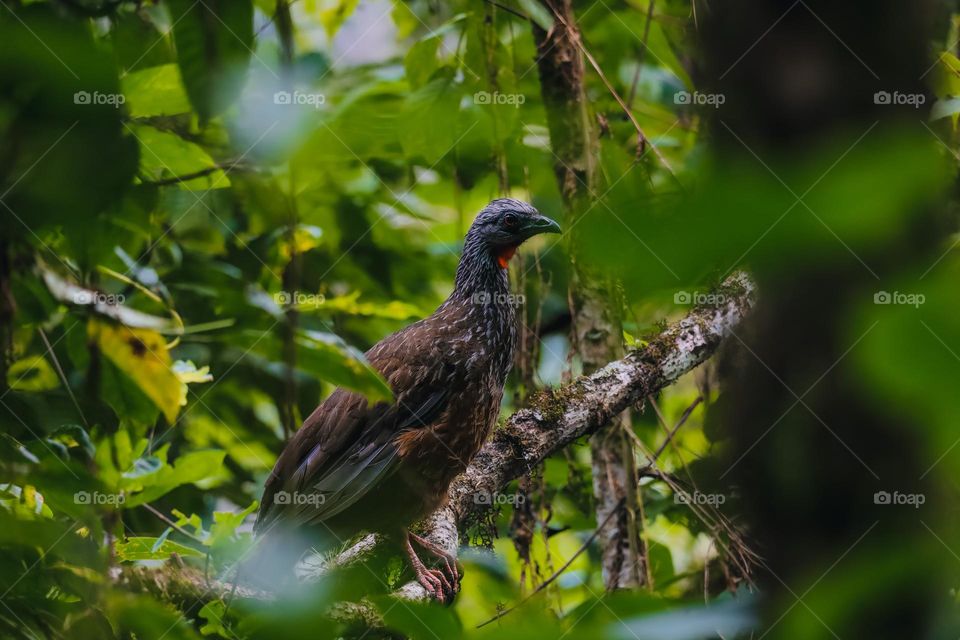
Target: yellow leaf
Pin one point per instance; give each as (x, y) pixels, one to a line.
(32, 373)
(142, 355)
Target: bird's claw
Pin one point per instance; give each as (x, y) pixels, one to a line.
(451, 567)
(437, 585)
(441, 584)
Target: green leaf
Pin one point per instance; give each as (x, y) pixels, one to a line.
(73, 435)
(536, 12)
(148, 548)
(155, 91)
(421, 61)
(429, 120)
(350, 304)
(225, 525)
(331, 359)
(213, 613)
(190, 467)
(333, 16)
(133, 616)
(214, 40)
(167, 155)
(32, 373)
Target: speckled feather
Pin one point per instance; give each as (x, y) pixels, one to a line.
(381, 467)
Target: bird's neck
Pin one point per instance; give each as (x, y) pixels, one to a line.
(482, 273)
(482, 289)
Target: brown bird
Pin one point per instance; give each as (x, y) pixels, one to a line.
(359, 467)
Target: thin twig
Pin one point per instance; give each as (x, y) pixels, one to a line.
(508, 9)
(673, 432)
(636, 74)
(170, 522)
(200, 173)
(556, 574)
(644, 140)
(63, 377)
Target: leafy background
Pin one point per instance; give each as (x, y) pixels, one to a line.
(211, 209)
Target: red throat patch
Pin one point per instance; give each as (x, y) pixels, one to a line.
(503, 258)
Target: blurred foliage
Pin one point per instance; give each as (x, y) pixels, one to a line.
(201, 235)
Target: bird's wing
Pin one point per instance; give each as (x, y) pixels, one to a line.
(346, 446)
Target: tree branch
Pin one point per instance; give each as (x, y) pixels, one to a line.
(556, 418)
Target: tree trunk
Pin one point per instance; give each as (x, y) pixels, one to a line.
(597, 333)
(797, 76)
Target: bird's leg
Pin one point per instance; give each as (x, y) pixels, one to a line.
(449, 561)
(433, 580)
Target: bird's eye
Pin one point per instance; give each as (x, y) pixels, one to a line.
(510, 220)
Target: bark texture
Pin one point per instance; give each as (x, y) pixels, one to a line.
(597, 333)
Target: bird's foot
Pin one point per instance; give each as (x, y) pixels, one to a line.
(434, 581)
(453, 568)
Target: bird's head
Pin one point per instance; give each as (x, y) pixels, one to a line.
(504, 224)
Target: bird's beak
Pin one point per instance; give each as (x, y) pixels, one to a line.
(539, 224)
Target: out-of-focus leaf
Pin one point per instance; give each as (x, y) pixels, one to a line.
(32, 373)
(213, 613)
(145, 548)
(188, 373)
(166, 155)
(214, 40)
(945, 107)
(104, 304)
(305, 238)
(947, 75)
(333, 15)
(141, 355)
(421, 61)
(727, 620)
(73, 435)
(62, 98)
(135, 616)
(419, 621)
(155, 91)
(350, 304)
(648, 241)
(190, 467)
(335, 361)
(24, 502)
(125, 396)
(429, 119)
(225, 525)
(536, 12)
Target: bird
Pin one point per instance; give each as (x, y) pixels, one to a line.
(357, 466)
